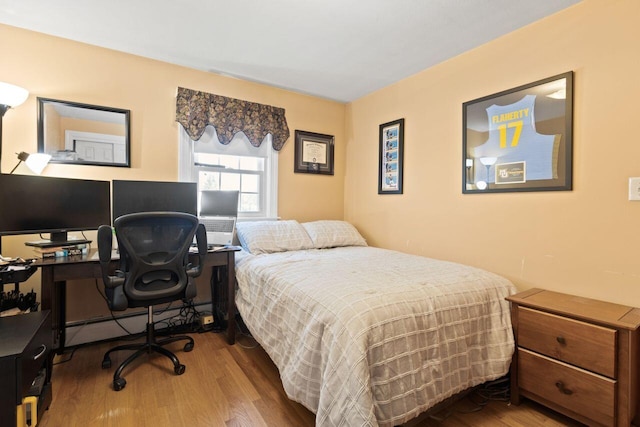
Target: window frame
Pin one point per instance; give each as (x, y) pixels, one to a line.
(240, 146)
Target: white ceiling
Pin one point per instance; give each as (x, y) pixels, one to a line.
(335, 49)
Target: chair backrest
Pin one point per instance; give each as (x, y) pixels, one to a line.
(154, 258)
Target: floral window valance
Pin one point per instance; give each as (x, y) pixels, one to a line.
(195, 110)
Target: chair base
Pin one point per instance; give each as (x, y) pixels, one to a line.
(150, 346)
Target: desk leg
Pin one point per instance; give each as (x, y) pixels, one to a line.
(231, 302)
(49, 301)
(53, 297)
(46, 289)
(60, 301)
(223, 296)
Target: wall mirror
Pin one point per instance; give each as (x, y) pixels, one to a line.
(83, 134)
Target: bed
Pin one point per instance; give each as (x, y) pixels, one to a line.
(364, 336)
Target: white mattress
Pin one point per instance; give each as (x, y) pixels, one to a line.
(365, 336)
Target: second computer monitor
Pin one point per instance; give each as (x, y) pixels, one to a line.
(154, 196)
(219, 203)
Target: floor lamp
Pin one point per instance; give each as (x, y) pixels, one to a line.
(10, 96)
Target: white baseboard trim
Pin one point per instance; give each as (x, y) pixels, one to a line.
(98, 330)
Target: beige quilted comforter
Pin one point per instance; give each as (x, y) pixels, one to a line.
(364, 336)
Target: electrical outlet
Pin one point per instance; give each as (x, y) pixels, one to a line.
(206, 320)
(634, 188)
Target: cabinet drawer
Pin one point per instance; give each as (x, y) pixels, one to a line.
(577, 390)
(582, 344)
(35, 355)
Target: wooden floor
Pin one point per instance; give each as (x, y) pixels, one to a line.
(223, 386)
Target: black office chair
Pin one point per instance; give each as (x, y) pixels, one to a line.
(154, 269)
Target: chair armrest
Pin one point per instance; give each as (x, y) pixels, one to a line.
(201, 240)
(105, 238)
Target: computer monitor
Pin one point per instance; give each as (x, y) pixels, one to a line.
(218, 203)
(154, 196)
(36, 204)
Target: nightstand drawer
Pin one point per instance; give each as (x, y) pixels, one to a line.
(582, 344)
(577, 390)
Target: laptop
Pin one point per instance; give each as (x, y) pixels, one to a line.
(218, 214)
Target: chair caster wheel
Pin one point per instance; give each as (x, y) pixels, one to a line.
(106, 363)
(179, 370)
(119, 384)
(188, 347)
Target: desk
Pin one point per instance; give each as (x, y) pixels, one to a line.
(56, 271)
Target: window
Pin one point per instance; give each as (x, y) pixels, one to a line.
(236, 166)
(230, 172)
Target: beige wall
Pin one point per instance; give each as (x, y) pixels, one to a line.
(585, 241)
(52, 67)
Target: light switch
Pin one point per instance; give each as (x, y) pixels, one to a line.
(634, 188)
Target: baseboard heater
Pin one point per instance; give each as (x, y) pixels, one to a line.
(104, 328)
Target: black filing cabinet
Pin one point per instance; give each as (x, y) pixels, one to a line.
(25, 363)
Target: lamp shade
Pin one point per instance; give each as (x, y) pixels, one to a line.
(36, 162)
(12, 95)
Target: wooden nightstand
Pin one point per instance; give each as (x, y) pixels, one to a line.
(578, 356)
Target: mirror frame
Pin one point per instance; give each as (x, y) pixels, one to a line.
(42, 144)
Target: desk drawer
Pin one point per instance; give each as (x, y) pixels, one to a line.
(577, 390)
(35, 354)
(582, 344)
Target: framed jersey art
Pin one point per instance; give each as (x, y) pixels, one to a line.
(520, 139)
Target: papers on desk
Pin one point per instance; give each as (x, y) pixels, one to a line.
(12, 312)
(16, 267)
(5, 259)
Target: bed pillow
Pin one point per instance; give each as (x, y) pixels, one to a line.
(264, 237)
(332, 234)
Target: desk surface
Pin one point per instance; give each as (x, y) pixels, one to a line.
(92, 256)
(56, 271)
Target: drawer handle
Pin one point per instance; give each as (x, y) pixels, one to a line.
(42, 352)
(562, 389)
(561, 340)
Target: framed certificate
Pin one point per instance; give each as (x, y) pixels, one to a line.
(313, 153)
